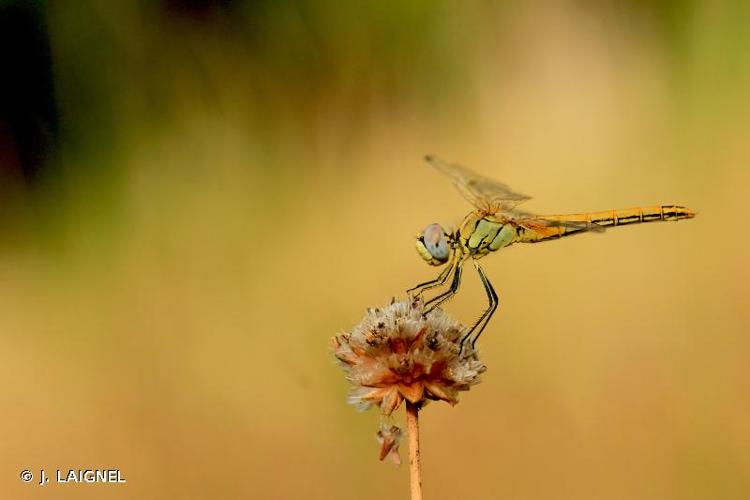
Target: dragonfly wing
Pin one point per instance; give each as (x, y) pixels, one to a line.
(482, 192)
(548, 226)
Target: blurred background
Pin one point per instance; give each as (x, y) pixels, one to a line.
(195, 195)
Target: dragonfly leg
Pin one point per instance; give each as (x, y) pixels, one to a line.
(440, 280)
(437, 300)
(487, 314)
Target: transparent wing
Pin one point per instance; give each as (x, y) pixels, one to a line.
(482, 192)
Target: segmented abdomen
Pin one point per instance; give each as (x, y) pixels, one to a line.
(606, 218)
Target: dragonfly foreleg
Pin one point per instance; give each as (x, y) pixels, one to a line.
(436, 301)
(487, 314)
(439, 281)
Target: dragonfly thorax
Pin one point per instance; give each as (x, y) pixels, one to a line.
(433, 245)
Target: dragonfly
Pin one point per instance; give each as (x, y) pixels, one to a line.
(496, 223)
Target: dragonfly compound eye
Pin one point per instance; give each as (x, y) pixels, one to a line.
(433, 245)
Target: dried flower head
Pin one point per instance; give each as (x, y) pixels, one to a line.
(395, 353)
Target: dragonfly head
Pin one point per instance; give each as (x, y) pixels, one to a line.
(433, 245)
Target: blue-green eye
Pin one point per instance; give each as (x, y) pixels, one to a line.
(435, 242)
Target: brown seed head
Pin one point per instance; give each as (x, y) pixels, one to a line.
(394, 354)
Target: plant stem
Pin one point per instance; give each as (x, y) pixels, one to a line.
(415, 466)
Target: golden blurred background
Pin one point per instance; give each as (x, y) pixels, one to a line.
(196, 195)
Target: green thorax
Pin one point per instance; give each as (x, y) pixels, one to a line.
(482, 234)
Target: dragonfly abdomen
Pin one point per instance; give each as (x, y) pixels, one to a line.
(607, 218)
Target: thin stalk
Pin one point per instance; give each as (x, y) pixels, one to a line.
(415, 465)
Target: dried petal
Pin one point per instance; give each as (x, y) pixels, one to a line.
(390, 439)
(391, 401)
(414, 392)
(442, 392)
